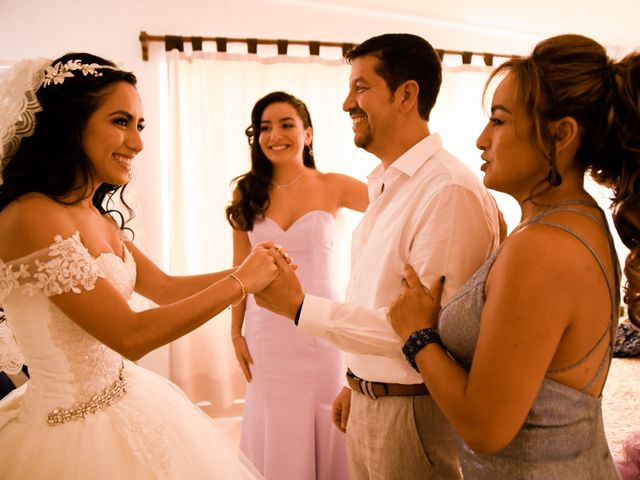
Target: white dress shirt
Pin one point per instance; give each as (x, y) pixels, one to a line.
(426, 209)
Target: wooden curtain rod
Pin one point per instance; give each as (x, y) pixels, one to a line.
(173, 41)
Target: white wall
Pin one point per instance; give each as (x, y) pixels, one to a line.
(110, 29)
(51, 28)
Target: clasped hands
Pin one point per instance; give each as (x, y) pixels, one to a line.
(279, 289)
(416, 307)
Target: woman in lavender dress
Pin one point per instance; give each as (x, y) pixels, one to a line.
(287, 430)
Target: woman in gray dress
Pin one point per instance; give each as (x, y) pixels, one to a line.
(518, 358)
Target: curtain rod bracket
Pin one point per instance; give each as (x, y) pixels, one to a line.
(144, 44)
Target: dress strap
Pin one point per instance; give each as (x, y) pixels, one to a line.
(614, 294)
(568, 206)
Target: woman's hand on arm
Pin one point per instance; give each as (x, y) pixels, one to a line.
(416, 307)
(522, 322)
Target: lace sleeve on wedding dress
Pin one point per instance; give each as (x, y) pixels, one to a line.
(65, 266)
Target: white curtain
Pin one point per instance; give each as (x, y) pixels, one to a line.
(209, 101)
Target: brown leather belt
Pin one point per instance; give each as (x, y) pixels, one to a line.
(374, 390)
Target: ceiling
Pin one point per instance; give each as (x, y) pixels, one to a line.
(615, 23)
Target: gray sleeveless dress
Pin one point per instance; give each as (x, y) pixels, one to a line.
(563, 435)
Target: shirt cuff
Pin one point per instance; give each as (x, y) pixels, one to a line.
(315, 315)
(296, 319)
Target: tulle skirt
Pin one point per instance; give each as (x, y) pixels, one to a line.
(629, 466)
(152, 432)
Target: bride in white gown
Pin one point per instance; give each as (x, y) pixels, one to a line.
(69, 132)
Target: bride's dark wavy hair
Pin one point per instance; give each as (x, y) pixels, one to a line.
(52, 161)
(251, 192)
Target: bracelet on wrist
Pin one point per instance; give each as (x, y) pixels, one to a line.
(244, 291)
(417, 341)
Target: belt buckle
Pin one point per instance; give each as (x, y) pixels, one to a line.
(366, 388)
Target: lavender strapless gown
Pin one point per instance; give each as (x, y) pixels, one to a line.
(287, 431)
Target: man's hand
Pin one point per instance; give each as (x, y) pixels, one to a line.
(340, 409)
(284, 294)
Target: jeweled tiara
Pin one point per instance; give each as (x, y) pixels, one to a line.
(55, 74)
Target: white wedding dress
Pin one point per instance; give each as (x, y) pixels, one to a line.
(87, 413)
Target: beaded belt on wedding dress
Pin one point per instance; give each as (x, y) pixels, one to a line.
(97, 402)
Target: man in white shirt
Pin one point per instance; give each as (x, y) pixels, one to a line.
(426, 209)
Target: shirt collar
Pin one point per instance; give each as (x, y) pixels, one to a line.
(408, 163)
(411, 160)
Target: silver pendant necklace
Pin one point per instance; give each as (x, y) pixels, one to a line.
(283, 185)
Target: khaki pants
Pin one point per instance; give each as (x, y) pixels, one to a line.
(400, 438)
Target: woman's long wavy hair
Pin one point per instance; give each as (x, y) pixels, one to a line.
(251, 192)
(52, 161)
(571, 75)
